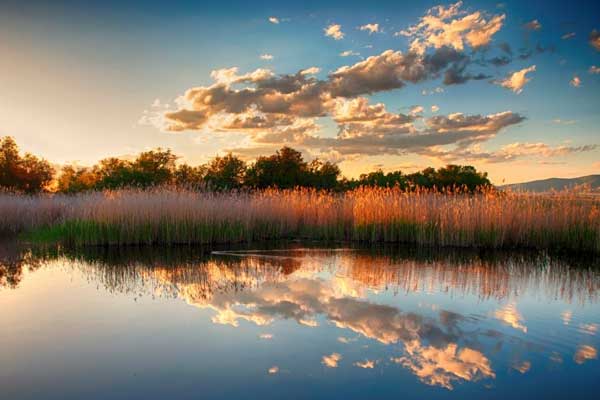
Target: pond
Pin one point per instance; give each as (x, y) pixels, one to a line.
(297, 321)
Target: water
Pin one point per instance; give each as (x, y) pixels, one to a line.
(297, 322)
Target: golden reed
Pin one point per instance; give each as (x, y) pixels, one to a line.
(561, 220)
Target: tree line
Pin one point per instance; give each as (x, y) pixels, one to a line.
(285, 169)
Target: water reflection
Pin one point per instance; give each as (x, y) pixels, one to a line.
(468, 324)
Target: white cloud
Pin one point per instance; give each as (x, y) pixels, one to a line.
(371, 28)
(594, 70)
(567, 36)
(435, 108)
(267, 57)
(575, 82)
(273, 370)
(334, 31)
(517, 80)
(274, 20)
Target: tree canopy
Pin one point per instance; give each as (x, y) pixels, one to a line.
(285, 169)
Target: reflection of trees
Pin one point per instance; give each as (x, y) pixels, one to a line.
(13, 262)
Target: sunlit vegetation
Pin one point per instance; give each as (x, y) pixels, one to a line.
(286, 169)
(567, 221)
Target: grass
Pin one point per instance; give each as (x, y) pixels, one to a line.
(559, 221)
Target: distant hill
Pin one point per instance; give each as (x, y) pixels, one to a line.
(545, 185)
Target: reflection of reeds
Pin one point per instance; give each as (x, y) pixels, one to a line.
(500, 276)
(562, 220)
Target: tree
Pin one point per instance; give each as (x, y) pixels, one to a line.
(188, 176)
(285, 169)
(322, 175)
(225, 172)
(74, 180)
(27, 174)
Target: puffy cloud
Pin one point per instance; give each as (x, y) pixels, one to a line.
(334, 31)
(443, 366)
(450, 26)
(594, 70)
(517, 80)
(349, 53)
(371, 28)
(273, 370)
(533, 25)
(267, 57)
(274, 20)
(595, 39)
(585, 353)
(435, 108)
(416, 110)
(332, 360)
(575, 81)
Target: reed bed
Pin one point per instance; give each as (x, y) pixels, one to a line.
(561, 221)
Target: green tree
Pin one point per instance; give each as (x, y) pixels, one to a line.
(225, 172)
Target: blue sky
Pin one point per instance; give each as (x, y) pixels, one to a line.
(80, 79)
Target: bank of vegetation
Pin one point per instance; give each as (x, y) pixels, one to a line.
(147, 201)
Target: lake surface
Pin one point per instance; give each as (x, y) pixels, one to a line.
(296, 321)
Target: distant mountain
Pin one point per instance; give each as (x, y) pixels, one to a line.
(545, 185)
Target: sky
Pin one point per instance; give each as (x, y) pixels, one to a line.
(510, 87)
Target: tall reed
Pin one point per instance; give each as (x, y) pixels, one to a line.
(564, 220)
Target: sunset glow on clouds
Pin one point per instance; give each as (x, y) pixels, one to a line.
(494, 90)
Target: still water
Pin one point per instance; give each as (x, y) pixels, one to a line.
(296, 321)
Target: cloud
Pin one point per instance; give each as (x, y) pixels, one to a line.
(310, 71)
(532, 25)
(435, 108)
(332, 360)
(334, 31)
(522, 367)
(595, 39)
(443, 366)
(564, 121)
(273, 110)
(594, 70)
(415, 110)
(371, 28)
(453, 27)
(366, 364)
(266, 336)
(266, 57)
(510, 316)
(575, 81)
(349, 53)
(585, 353)
(274, 20)
(517, 80)
(567, 36)
(273, 370)
(509, 152)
